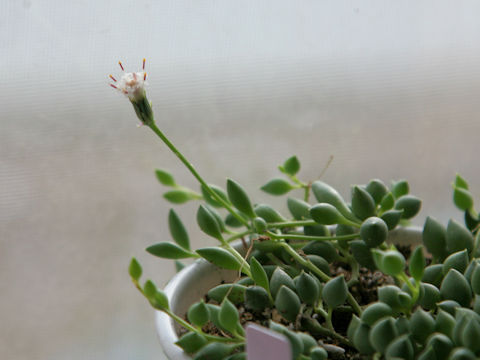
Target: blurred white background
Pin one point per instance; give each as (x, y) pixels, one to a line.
(389, 88)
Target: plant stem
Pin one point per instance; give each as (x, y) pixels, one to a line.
(311, 238)
(238, 235)
(245, 265)
(189, 327)
(194, 172)
(293, 223)
(329, 319)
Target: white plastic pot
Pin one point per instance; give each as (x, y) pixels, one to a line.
(193, 282)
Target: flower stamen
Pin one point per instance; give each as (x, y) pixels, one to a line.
(111, 77)
(121, 66)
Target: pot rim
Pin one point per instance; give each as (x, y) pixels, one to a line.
(166, 327)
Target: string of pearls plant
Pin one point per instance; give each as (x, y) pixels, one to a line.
(427, 308)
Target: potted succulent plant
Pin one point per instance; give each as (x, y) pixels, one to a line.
(336, 279)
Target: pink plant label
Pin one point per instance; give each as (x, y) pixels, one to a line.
(265, 344)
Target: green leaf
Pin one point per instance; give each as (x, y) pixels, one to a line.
(256, 298)
(232, 221)
(387, 202)
(179, 266)
(287, 303)
(374, 312)
(214, 351)
(392, 218)
(324, 193)
(456, 287)
(377, 189)
(208, 223)
(444, 323)
(135, 269)
(422, 325)
(165, 177)
(198, 314)
(291, 166)
(169, 250)
(471, 335)
(335, 292)
(209, 198)
(239, 198)
(400, 188)
(298, 208)
(458, 237)
(382, 334)
(279, 278)
(435, 238)
(268, 213)
(149, 289)
(458, 261)
(417, 263)
(409, 204)
(460, 182)
(258, 274)
(390, 262)
(462, 199)
(234, 291)
(260, 225)
(363, 204)
(318, 353)
(400, 348)
(373, 231)
(191, 342)
(361, 253)
(228, 316)
(462, 353)
(219, 257)
(177, 230)
(361, 339)
(326, 214)
(178, 196)
(307, 288)
(475, 280)
(277, 186)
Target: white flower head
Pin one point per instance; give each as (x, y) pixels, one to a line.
(131, 84)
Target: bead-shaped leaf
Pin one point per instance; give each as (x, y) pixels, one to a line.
(361, 339)
(214, 351)
(352, 327)
(361, 253)
(234, 291)
(168, 250)
(277, 186)
(388, 294)
(458, 261)
(308, 341)
(409, 204)
(319, 262)
(456, 287)
(198, 314)
(440, 344)
(219, 257)
(434, 238)
(256, 298)
(373, 231)
(239, 198)
(462, 353)
(259, 275)
(475, 280)
(279, 278)
(383, 333)
(390, 262)
(392, 218)
(471, 335)
(444, 323)
(164, 177)
(374, 312)
(417, 263)
(318, 353)
(433, 274)
(307, 288)
(400, 348)
(377, 189)
(228, 316)
(387, 202)
(430, 297)
(335, 291)
(400, 188)
(460, 182)
(299, 209)
(135, 269)
(232, 221)
(422, 325)
(324, 193)
(462, 199)
(191, 342)
(449, 306)
(325, 249)
(458, 237)
(210, 199)
(208, 223)
(326, 214)
(363, 204)
(268, 213)
(287, 303)
(291, 166)
(177, 230)
(178, 196)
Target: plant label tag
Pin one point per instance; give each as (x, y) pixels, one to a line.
(265, 344)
